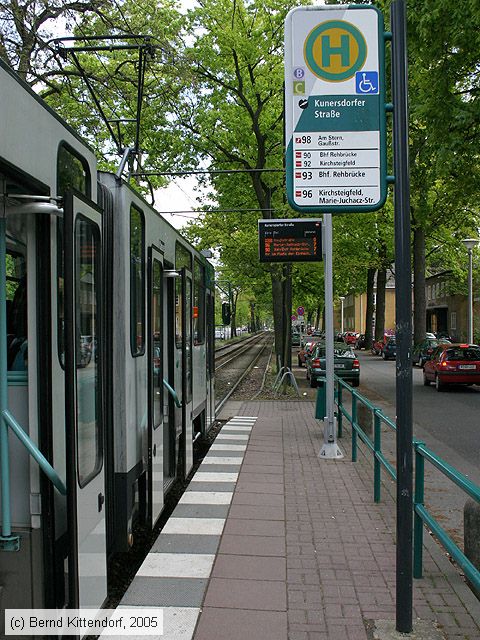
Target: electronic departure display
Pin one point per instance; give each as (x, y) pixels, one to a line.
(294, 240)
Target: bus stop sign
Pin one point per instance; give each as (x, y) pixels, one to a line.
(335, 109)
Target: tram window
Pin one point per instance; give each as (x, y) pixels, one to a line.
(178, 313)
(72, 171)
(198, 303)
(188, 339)
(157, 373)
(87, 280)
(137, 281)
(16, 294)
(183, 259)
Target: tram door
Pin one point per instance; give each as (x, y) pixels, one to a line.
(85, 468)
(158, 441)
(187, 369)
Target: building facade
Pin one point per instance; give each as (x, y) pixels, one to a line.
(446, 311)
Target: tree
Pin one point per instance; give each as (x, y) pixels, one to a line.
(231, 115)
(27, 27)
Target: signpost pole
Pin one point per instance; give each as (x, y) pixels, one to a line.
(330, 449)
(403, 311)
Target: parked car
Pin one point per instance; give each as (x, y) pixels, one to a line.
(350, 337)
(444, 335)
(219, 333)
(360, 342)
(453, 364)
(295, 339)
(306, 351)
(389, 348)
(377, 345)
(346, 365)
(423, 351)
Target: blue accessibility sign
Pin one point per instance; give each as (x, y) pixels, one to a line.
(366, 82)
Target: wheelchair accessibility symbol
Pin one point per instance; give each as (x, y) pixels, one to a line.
(366, 82)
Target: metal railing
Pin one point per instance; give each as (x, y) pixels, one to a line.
(422, 453)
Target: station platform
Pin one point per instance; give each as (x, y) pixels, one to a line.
(269, 542)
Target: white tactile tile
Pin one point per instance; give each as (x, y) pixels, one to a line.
(231, 436)
(200, 526)
(206, 497)
(178, 623)
(228, 447)
(222, 460)
(245, 418)
(207, 476)
(229, 427)
(177, 565)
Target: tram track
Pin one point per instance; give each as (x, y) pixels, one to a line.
(228, 381)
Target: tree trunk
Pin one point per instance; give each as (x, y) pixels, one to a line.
(233, 320)
(318, 316)
(369, 309)
(380, 306)
(419, 302)
(278, 321)
(252, 317)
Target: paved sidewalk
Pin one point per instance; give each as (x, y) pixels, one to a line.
(306, 554)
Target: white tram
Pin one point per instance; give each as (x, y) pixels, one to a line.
(106, 359)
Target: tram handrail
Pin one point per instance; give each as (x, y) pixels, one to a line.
(422, 453)
(35, 452)
(173, 393)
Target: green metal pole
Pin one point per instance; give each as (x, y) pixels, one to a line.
(7, 541)
(418, 523)
(377, 447)
(354, 428)
(340, 407)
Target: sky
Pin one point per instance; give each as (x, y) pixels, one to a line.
(178, 196)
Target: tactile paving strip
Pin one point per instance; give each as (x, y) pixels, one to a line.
(193, 533)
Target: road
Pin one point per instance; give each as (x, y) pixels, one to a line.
(448, 422)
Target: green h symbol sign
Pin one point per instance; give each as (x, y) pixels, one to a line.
(343, 50)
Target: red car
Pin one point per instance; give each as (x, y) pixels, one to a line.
(350, 337)
(453, 364)
(306, 352)
(377, 345)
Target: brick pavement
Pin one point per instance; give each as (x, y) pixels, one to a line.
(305, 553)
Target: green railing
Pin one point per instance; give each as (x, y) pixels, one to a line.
(422, 453)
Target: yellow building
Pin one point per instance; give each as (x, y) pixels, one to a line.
(355, 308)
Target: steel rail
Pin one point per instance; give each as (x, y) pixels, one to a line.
(243, 376)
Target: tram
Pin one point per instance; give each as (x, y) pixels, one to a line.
(106, 359)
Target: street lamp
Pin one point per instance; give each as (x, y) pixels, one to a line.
(470, 244)
(342, 298)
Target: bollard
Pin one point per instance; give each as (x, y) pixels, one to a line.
(471, 536)
(321, 404)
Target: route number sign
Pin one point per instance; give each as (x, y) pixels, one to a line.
(335, 109)
(290, 240)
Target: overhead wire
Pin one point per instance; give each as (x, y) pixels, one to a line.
(140, 90)
(111, 78)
